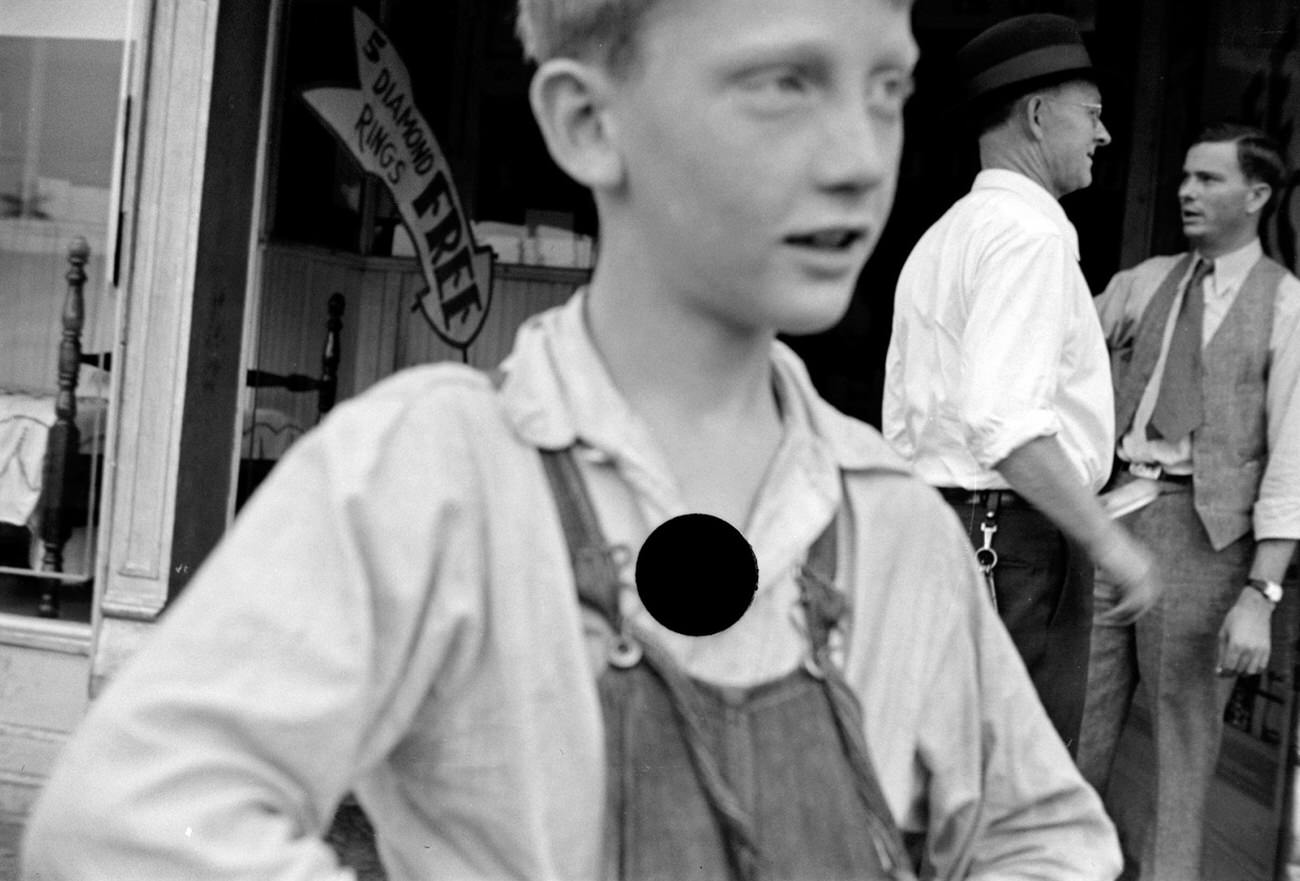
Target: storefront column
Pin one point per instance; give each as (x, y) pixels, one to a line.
(177, 307)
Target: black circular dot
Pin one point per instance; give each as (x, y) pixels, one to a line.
(696, 574)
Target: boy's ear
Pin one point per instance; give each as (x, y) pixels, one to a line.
(570, 101)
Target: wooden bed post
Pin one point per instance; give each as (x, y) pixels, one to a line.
(327, 386)
(64, 438)
(330, 355)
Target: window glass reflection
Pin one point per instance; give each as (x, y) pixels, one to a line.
(61, 114)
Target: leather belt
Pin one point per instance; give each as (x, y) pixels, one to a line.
(1152, 471)
(1005, 498)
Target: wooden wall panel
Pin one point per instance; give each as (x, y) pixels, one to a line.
(296, 286)
(375, 317)
(382, 332)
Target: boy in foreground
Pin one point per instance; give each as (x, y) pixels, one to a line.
(430, 601)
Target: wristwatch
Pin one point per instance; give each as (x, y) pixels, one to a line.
(1271, 590)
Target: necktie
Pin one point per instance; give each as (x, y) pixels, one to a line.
(1179, 409)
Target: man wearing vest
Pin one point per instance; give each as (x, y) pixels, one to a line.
(1206, 356)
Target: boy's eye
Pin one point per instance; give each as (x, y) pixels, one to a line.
(887, 93)
(777, 86)
(789, 82)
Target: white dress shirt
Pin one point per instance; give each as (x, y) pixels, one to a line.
(996, 342)
(394, 613)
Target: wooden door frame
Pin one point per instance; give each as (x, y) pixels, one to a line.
(183, 315)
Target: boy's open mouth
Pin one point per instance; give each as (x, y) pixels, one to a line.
(834, 239)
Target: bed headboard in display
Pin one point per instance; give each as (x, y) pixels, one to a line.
(270, 424)
(49, 445)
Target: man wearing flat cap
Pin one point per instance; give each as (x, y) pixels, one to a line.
(997, 381)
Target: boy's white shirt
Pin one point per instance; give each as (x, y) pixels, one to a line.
(393, 614)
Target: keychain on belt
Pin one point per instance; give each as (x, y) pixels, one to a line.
(985, 556)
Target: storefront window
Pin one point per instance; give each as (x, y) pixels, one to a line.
(319, 192)
(470, 82)
(62, 67)
(338, 271)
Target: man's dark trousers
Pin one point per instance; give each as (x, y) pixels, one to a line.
(1043, 582)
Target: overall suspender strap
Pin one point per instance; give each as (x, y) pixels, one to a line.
(595, 563)
(885, 834)
(824, 606)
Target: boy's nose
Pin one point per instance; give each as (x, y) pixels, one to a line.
(857, 151)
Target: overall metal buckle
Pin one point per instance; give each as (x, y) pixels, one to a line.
(625, 651)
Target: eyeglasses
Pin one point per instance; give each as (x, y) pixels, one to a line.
(1094, 110)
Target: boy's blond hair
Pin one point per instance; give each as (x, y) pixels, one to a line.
(601, 31)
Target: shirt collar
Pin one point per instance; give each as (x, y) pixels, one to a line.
(1035, 194)
(557, 391)
(1231, 269)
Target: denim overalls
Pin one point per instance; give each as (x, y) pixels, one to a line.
(768, 782)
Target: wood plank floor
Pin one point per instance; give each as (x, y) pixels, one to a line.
(10, 832)
(1241, 835)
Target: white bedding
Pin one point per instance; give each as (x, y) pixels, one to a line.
(268, 433)
(25, 421)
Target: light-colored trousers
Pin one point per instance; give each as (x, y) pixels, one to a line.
(1170, 653)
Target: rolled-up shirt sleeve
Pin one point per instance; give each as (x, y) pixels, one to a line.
(1011, 345)
(1277, 507)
